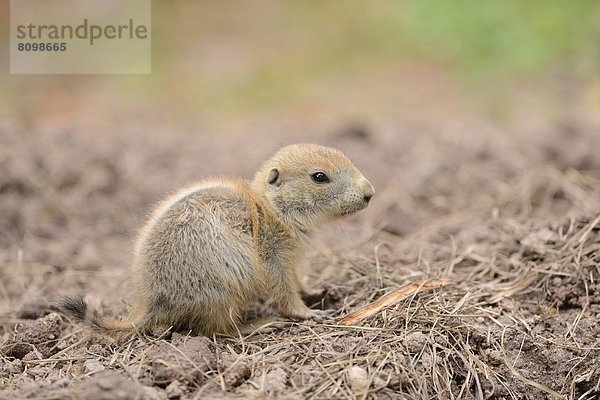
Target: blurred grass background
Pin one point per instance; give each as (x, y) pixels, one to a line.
(353, 59)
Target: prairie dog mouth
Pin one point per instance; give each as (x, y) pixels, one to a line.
(354, 208)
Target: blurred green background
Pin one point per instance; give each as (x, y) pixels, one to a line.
(395, 60)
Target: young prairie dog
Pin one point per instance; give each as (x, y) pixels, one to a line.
(212, 247)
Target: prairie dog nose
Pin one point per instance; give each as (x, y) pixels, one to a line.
(368, 190)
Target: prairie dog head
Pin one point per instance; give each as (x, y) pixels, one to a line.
(311, 184)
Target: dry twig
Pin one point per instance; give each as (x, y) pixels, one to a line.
(390, 299)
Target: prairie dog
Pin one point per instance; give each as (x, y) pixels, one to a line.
(212, 247)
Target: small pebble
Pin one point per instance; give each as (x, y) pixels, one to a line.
(358, 379)
(93, 366)
(174, 390)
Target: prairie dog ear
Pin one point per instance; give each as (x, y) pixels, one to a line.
(273, 177)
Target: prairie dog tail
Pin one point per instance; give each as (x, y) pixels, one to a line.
(78, 308)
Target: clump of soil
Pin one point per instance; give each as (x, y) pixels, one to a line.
(34, 339)
(183, 358)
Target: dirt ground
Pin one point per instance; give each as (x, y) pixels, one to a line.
(512, 219)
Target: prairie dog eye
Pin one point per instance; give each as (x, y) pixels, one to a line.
(320, 177)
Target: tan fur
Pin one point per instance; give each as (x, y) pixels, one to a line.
(212, 247)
